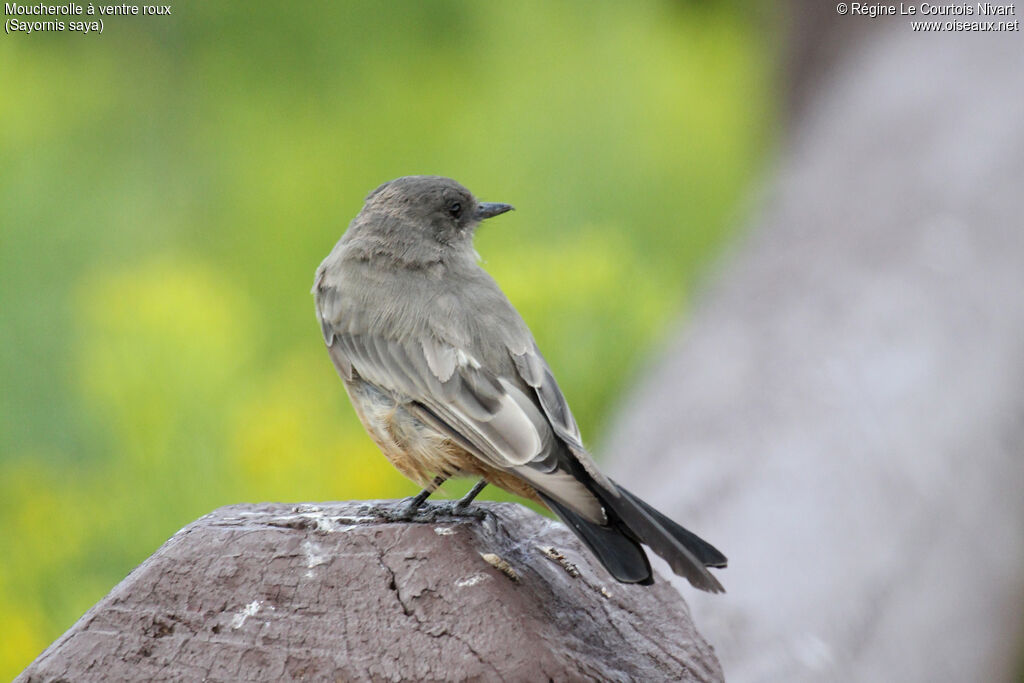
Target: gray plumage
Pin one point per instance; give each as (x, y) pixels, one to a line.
(448, 380)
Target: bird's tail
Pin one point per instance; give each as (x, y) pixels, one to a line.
(707, 554)
(617, 549)
(632, 522)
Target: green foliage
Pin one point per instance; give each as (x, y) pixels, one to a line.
(168, 188)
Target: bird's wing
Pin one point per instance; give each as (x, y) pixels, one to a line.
(534, 370)
(496, 418)
(490, 416)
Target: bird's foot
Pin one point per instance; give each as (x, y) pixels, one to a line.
(411, 507)
(463, 503)
(457, 509)
(432, 512)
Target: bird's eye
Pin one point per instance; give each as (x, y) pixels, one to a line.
(455, 209)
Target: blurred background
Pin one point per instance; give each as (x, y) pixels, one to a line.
(168, 188)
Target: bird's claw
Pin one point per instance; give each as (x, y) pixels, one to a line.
(431, 512)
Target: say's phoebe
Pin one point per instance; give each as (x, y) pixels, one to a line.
(447, 379)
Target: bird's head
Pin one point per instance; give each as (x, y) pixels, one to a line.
(425, 210)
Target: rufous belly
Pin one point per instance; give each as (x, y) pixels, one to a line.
(419, 451)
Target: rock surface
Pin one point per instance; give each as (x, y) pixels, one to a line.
(339, 591)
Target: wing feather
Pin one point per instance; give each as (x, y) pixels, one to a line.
(442, 359)
(500, 421)
(534, 370)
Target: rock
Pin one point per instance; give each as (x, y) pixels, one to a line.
(341, 591)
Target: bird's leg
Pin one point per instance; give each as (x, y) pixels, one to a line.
(421, 497)
(473, 493)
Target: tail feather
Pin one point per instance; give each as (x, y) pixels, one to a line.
(672, 547)
(620, 554)
(707, 554)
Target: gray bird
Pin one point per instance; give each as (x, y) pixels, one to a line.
(448, 381)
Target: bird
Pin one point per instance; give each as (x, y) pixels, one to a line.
(447, 379)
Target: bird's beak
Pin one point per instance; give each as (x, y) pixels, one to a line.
(491, 209)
